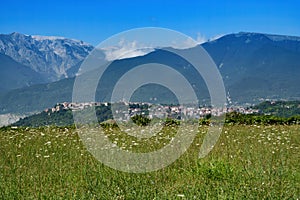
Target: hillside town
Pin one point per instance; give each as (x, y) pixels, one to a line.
(125, 110)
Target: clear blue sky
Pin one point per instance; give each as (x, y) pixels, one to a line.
(94, 21)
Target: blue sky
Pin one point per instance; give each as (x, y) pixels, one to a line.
(94, 21)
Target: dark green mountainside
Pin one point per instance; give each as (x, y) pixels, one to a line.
(14, 75)
(279, 108)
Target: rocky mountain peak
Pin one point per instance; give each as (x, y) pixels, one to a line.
(50, 56)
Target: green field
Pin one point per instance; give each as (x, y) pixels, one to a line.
(248, 162)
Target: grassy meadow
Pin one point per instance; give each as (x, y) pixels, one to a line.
(248, 162)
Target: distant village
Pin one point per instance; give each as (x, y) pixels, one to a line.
(126, 110)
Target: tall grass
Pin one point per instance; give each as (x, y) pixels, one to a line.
(248, 162)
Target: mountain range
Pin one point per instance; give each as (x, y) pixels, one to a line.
(38, 71)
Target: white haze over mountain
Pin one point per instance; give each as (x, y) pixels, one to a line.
(130, 49)
(126, 49)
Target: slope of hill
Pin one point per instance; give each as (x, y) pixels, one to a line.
(257, 66)
(37, 97)
(62, 117)
(15, 75)
(279, 108)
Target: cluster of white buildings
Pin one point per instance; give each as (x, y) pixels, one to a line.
(177, 112)
(73, 106)
(124, 110)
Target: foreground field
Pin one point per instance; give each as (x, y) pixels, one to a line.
(248, 162)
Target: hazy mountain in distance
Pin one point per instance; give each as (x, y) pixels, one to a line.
(254, 66)
(52, 57)
(15, 75)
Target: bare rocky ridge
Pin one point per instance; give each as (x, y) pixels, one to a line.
(52, 57)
